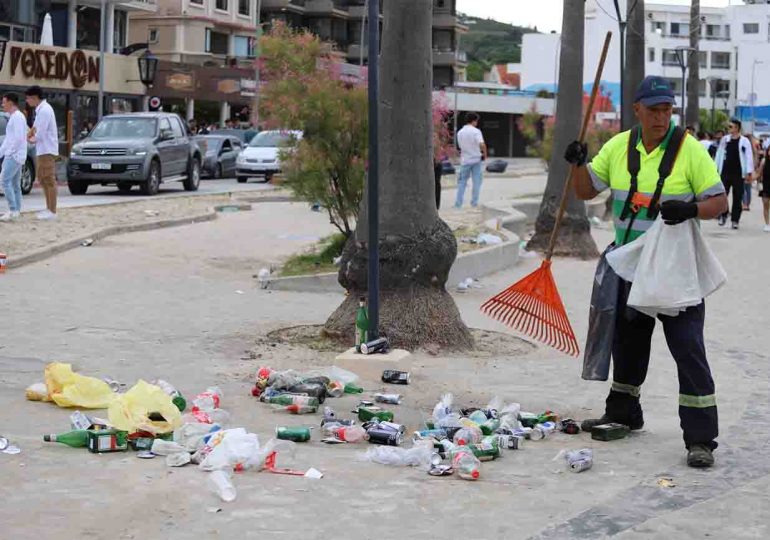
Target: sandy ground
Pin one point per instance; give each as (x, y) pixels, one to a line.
(182, 304)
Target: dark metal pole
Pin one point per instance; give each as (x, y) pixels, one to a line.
(684, 84)
(713, 103)
(622, 28)
(374, 172)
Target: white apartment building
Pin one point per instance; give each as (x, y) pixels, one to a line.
(734, 53)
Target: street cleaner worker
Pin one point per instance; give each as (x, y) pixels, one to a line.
(655, 169)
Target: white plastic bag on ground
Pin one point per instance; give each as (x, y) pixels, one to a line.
(671, 268)
(230, 448)
(418, 456)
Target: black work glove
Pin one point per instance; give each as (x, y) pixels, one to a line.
(676, 212)
(576, 153)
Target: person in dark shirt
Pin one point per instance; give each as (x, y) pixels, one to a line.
(735, 162)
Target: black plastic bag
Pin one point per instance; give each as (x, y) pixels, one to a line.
(601, 321)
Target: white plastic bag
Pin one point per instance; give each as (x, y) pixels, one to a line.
(671, 268)
(418, 456)
(191, 435)
(230, 448)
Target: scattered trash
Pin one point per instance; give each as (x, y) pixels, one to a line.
(609, 432)
(145, 407)
(221, 483)
(145, 454)
(151, 213)
(3, 262)
(87, 242)
(570, 427)
(579, 460)
(69, 389)
(114, 385)
(315, 474)
(264, 278)
(176, 397)
(418, 456)
(393, 399)
(161, 447)
(239, 292)
(524, 253)
(294, 434)
(395, 377)
(7, 448)
(361, 324)
(180, 459)
(666, 482)
(37, 392)
(106, 440)
(488, 239)
(75, 439)
(467, 465)
(379, 345)
(213, 510)
(595, 221)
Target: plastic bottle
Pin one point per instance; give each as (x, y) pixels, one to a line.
(176, 396)
(166, 448)
(466, 464)
(467, 435)
(296, 409)
(351, 434)
(478, 416)
(75, 439)
(335, 389)
(222, 484)
(208, 400)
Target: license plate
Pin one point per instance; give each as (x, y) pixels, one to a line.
(101, 166)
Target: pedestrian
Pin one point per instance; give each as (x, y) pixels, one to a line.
(735, 163)
(13, 152)
(715, 142)
(764, 177)
(45, 136)
(473, 152)
(705, 139)
(691, 188)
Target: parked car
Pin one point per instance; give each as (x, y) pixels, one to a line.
(136, 148)
(28, 169)
(243, 134)
(260, 157)
(447, 167)
(497, 166)
(219, 154)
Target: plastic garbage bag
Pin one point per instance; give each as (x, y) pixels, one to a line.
(671, 267)
(443, 408)
(417, 456)
(601, 321)
(37, 392)
(69, 389)
(230, 448)
(191, 435)
(131, 411)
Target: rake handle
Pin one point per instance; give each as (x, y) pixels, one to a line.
(581, 139)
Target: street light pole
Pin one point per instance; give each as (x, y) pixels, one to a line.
(713, 85)
(622, 27)
(683, 57)
(102, 30)
(255, 99)
(753, 96)
(374, 170)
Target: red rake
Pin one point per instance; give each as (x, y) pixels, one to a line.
(533, 305)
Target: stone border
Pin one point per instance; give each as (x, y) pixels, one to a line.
(475, 264)
(50, 251)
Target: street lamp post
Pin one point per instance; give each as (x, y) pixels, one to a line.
(753, 95)
(622, 27)
(713, 86)
(257, 90)
(102, 40)
(374, 170)
(683, 57)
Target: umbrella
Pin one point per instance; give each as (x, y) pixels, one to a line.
(46, 36)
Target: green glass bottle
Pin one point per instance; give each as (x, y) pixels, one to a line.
(293, 399)
(366, 414)
(487, 450)
(352, 388)
(362, 324)
(490, 426)
(75, 439)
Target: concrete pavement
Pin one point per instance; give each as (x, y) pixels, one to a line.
(166, 304)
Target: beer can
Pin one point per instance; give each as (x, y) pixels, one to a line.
(295, 434)
(388, 437)
(509, 442)
(580, 460)
(391, 426)
(379, 345)
(393, 376)
(393, 399)
(107, 440)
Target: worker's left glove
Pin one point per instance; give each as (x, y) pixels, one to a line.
(676, 212)
(576, 153)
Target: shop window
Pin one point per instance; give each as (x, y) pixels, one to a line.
(222, 4)
(244, 7)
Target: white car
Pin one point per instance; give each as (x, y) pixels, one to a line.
(260, 157)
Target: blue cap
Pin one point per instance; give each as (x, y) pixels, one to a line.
(654, 91)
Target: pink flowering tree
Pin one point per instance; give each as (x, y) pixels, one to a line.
(306, 89)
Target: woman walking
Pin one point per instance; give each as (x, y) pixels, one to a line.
(764, 177)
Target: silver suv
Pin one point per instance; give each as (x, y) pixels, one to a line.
(136, 148)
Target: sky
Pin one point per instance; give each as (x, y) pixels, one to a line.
(545, 14)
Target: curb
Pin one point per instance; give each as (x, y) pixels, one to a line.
(50, 251)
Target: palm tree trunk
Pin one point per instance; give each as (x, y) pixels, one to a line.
(417, 249)
(692, 115)
(575, 235)
(635, 57)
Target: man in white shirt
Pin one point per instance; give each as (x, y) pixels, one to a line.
(45, 136)
(13, 152)
(473, 152)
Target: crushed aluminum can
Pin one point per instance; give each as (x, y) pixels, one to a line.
(393, 376)
(80, 421)
(509, 442)
(441, 470)
(3, 443)
(579, 460)
(393, 399)
(379, 345)
(145, 454)
(570, 427)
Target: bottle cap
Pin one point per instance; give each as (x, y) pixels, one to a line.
(49, 438)
(475, 473)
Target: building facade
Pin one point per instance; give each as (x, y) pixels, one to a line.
(734, 56)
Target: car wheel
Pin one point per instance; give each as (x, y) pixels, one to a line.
(243, 179)
(193, 179)
(152, 183)
(77, 187)
(27, 177)
(219, 172)
(125, 187)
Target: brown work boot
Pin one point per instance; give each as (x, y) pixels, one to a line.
(700, 456)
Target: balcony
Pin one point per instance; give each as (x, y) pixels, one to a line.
(125, 5)
(448, 58)
(327, 7)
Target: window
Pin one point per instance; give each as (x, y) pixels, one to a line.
(670, 57)
(244, 47)
(703, 59)
(722, 89)
(226, 147)
(216, 43)
(713, 31)
(701, 87)
(659, 27)
(751, 28)
(727, 31)
(177, 128)
(680, 29)
(676, 85)
(152, 35)
(198, 2)
(651, 54)
(720, 60)
(244, 7)
(221, 4)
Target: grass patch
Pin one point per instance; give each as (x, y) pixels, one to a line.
(318, 260)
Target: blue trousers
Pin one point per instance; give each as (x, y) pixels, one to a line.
(466, 171)
(10, 173)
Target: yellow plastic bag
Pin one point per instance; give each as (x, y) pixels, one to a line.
(68, 389)
(130, 411)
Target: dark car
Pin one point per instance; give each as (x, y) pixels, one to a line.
(447, 167)
(219, 154)
(136, 148)
(28, 169)
(497, 166)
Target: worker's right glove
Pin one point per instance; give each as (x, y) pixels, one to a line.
(676, 212)
(576, 153)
